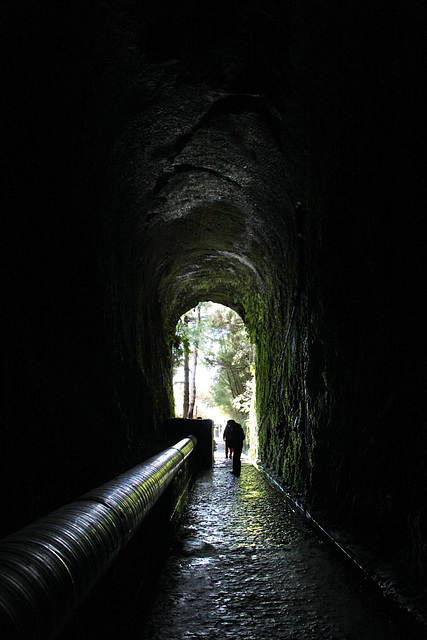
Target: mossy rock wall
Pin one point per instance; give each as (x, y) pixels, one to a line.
(262, 155)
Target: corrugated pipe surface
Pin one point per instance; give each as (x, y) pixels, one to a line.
(47, 567)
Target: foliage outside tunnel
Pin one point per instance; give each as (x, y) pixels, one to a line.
(213, 365)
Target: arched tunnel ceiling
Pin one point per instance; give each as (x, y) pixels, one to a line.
(205, 150)
(214, 223)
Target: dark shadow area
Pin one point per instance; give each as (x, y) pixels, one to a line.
(264, 155)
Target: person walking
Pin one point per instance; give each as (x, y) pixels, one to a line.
(227, 439)
(237, 438)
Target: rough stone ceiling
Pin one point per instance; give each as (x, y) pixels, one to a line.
(201, 156)
(213, 224)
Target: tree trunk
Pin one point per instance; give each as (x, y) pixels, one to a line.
(186, 377)
(193, 376)
(193, 383)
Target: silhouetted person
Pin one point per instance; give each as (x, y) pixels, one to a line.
(227, 439)
(237, 437)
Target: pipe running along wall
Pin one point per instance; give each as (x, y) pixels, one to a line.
(48, 567)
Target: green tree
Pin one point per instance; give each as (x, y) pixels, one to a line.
(218, 334)
(232, 354)
(181, 356)
(187, 337)
(196, 339)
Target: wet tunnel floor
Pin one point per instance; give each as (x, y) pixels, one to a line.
(245, 566)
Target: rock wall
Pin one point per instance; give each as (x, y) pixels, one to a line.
(262, 155)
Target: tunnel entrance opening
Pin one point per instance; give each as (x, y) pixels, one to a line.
(214, 368)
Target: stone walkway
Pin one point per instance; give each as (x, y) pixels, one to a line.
(244, 566)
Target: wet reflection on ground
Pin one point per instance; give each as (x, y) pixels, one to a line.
(245, 566)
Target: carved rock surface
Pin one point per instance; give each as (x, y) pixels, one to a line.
(262, 155)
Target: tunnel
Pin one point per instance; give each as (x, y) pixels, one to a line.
(263, 155)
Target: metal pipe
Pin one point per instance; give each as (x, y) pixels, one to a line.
(48, 567)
